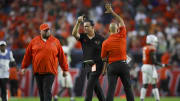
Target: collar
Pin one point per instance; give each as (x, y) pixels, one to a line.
(114, 35)
(45, 39)
(92, 37)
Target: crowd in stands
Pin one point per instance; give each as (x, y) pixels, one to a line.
(20, 20)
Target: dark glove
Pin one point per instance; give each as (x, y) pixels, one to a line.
(64, 73)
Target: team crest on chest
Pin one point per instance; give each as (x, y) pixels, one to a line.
(97, 42)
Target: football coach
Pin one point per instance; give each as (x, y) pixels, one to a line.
(45, 52)
(115, 49)
(92, 63)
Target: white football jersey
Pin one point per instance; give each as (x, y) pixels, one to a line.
(5, 58)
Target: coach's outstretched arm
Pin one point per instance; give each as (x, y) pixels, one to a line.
(75, 32)
(117, 17)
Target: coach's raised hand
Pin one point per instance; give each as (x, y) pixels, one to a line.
(75, 30)
(117, 17)
(80, 19)
(108, 8)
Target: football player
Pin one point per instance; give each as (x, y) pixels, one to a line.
(149, 73)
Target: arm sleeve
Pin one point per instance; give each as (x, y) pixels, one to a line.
(122, 30)
(99, 50)
(11, 56)
(81, 37)
(12, 62)
(62, 59)
(99, 46)
(154, 59)
(104, 50)
(27, 57)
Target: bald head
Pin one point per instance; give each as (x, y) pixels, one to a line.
(113, 28)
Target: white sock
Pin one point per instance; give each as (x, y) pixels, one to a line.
(143, 93)
(72, 98)
(156, 94)
(56, 97)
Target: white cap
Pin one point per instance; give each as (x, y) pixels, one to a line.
(3, 43)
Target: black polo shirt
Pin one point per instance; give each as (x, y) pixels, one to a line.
(91, 47)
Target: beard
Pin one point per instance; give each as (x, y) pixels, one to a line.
(45, 35)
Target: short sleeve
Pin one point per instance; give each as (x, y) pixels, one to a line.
(11, 56)
(82, 36)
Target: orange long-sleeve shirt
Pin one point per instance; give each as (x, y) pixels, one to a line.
(45, 56)
(115, 46)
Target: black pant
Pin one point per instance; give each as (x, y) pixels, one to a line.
(164, 85)
(44, 83)
(93, 84)
(3, 86)
(115, 70)
(13, 87)
(80, 82)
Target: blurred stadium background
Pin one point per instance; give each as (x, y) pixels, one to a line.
(20, 20)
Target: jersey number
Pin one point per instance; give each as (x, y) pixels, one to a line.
(144, 53)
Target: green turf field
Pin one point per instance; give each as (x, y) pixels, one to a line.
(95, 99)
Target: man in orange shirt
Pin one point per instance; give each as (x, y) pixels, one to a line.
(115, 49)
(45, 51)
